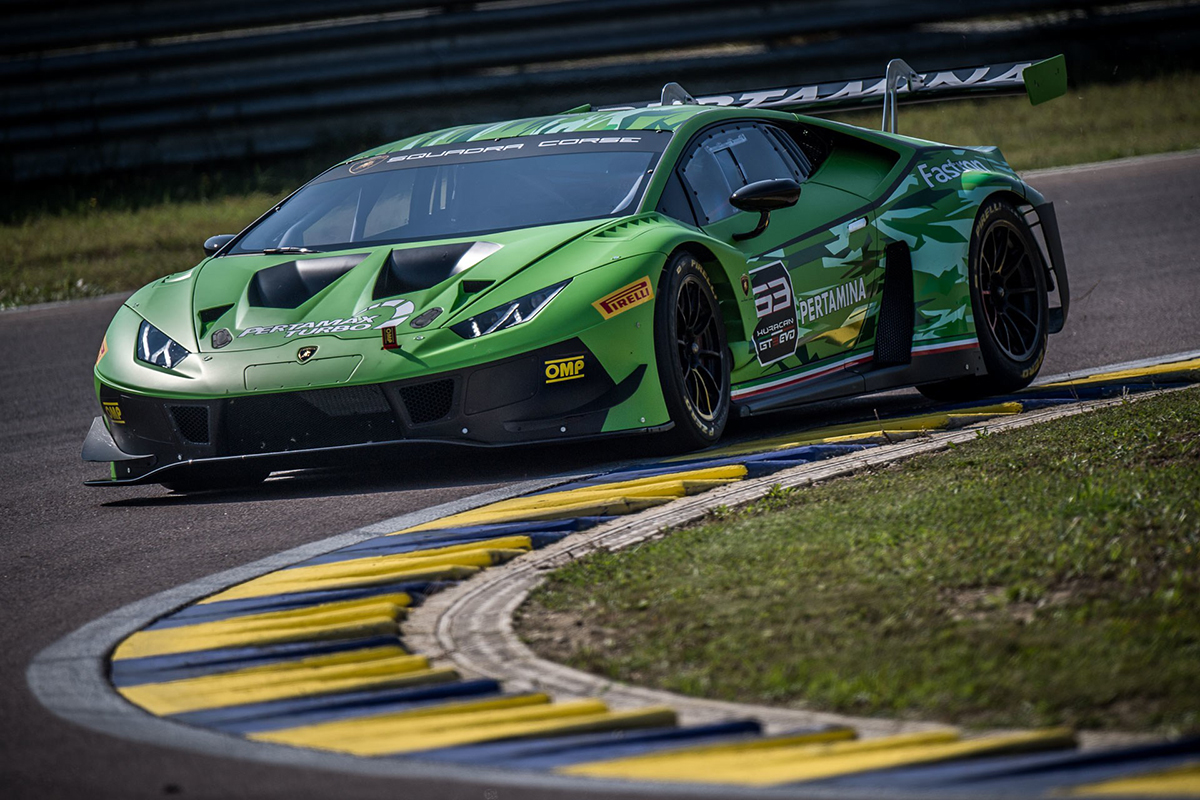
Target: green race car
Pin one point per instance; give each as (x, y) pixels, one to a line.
(637, 269)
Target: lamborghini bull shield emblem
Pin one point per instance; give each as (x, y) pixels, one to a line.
(305, 354)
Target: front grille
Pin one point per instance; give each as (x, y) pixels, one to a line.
(428, 402)
(192, 422)
(302, 420)
(348, 401)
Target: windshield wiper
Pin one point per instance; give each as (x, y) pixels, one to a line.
(274, 251)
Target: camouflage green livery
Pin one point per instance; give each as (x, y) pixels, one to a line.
(876, 211)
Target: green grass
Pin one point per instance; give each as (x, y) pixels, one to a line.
(78, 240)
(93, 252)
(1090, 123)
(1046, 576)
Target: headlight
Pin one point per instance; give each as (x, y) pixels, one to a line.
(155, 347)
(506, 316)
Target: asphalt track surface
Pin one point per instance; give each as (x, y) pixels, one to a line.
(72, 554)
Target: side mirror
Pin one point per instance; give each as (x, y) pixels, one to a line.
(214, 243)
(764, 197)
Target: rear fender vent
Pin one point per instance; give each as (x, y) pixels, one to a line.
(894, 335)
(293, 283)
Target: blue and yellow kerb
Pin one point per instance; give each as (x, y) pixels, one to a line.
(310, 656)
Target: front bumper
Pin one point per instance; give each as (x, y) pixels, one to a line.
(555, 393)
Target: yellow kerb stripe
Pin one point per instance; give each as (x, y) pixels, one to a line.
(444, 715)
(621, 497)
(378, 569)
(814, 762)
(330, 621)
(219, 691)
(1182, 781)
(1181, 368)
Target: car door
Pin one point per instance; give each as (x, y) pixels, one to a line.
(810, 272)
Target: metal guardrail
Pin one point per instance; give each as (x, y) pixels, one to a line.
(112, 85)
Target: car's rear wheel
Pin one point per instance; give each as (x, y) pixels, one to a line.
(693, 359)
(1008, 296)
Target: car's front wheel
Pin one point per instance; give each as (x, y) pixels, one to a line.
(693, 359)
(1008, 297)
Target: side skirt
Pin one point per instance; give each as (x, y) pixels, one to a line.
(929, 363)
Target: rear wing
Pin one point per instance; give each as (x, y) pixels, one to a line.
(1040, 80)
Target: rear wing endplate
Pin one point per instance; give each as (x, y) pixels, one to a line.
(1040, 80)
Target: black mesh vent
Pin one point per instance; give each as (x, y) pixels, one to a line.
(192, 422)
(348, 401)
(893, 338)
(428, 402)
(303, 420)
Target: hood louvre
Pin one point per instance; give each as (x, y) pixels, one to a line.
(415, 269)
(293, 283)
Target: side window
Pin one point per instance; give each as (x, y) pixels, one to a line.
(730, 157)
(675, 203)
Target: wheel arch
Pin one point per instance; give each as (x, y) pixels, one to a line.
(723, 285)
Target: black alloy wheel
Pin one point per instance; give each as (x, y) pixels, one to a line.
(1008, 297)
(693, 359)
(697, 335)
(1009, 288)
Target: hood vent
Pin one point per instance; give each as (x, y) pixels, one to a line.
(291, 284)
(415, 269)
(209, 316)
(624, 230)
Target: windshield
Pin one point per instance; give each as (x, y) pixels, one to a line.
(461, 190)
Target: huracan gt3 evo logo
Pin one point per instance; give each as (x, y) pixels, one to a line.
(625, 298)
(944, 173)
(775, 335)
(564, 369)
(306, 353)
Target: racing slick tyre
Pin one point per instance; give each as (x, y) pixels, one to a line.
(1008, 297)
(693, 359)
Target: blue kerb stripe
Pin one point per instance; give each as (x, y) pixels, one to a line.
(276, 714)
(1025, 775)
(347, 713)
(397, 545)
(229, 609)
(1101, 390)
(803, 454)
(156, 669)
(549, 753)
(444, 537)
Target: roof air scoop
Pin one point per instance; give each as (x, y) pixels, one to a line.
(414, 269)
(293, 283)
(675, 95)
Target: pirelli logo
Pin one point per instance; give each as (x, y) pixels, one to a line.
(564, 369)
(625, 298)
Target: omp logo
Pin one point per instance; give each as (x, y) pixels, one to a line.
(564, 369)
(625, 298)
(774, 295)
(114, 412)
